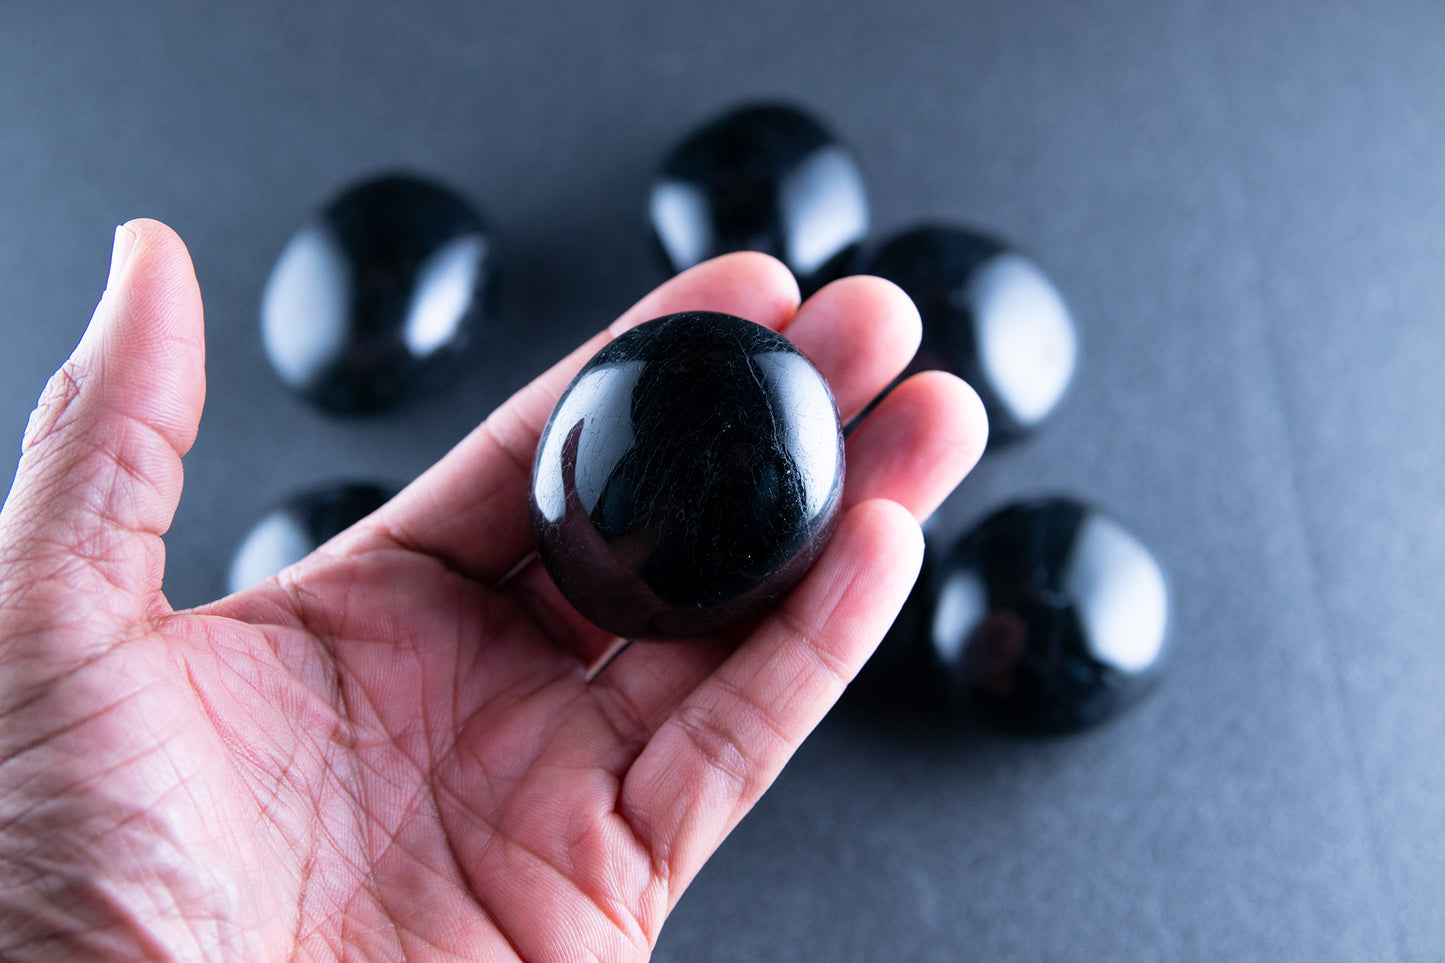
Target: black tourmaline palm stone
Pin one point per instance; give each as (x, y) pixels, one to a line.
(990, 316)
(1047, 617)
(689, 477)
(762, 178)
(377, 296)
(294, 530)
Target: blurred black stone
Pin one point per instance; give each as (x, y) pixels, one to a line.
(764, 178)
(1047, 617)
(290, 532)
(990, 316)
(377, 296)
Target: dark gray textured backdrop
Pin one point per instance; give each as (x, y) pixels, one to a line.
(1245, 204)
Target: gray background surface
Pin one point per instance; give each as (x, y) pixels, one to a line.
(1245, 205)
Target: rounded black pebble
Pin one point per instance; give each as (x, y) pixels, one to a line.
(1046, 617)
(291, 531)
(688, 478)
(990, 316)
(767, 178)
(377, 296)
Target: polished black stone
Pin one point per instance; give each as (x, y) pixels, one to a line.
(688, 477)
(290, 532)
(990, 316)
(376, 297)
(1047, 617)
(762, 178)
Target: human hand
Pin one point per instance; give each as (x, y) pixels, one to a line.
(401, 747)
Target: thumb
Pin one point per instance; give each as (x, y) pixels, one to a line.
(100, 474)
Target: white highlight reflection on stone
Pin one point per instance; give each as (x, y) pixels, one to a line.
(1026, 336)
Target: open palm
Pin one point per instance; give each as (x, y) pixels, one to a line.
(407, 745)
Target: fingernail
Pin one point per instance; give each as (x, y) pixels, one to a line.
(120, 254)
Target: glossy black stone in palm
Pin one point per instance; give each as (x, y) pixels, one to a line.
(377, 296)
(290, 532)
(688, 477)
(762, 178)
(1047, 617)
(990, 316)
